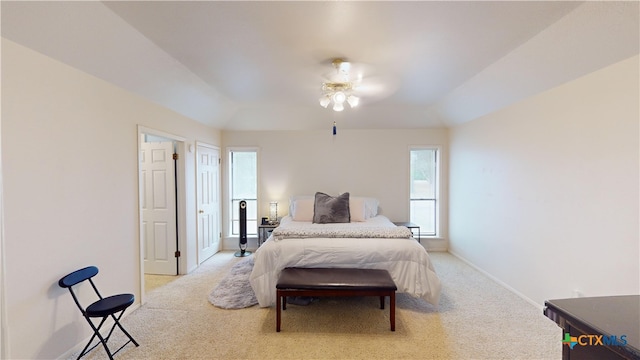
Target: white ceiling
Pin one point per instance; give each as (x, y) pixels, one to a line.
(258, 65)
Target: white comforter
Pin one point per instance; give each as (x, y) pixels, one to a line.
(343, 245)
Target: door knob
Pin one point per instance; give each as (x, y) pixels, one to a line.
(201, 211)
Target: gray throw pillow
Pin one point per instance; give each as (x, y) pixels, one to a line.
(328, 209)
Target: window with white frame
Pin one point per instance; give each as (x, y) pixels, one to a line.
(423, 198)
(243, 185)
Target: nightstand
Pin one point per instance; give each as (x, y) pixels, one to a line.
(411, 227)
(264, 230)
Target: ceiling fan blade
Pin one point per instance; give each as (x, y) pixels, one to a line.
(378, 87)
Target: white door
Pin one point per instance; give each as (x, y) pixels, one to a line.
(158, 198)
(208, 192)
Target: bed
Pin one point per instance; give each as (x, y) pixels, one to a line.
(367, 240)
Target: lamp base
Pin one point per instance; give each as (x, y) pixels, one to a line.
(242, 253)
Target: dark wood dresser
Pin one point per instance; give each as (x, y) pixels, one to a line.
(600, 327)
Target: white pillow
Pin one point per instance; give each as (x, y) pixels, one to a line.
(357, 209)
(371, 207)
(292, 201)
(301, 208)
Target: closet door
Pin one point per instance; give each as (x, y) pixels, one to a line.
(208, 193)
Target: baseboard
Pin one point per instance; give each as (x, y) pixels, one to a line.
(435, 244)
(500, 282)
(191, 269)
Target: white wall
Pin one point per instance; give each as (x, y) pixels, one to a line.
(544, 194)
(362, 162)
(69, 167)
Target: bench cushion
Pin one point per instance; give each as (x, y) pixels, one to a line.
(335, 279)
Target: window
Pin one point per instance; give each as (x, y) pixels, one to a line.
(423, 198)
(243, 185)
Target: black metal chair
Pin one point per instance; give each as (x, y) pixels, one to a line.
(112, 306)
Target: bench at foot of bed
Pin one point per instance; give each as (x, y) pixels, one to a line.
(335, 282)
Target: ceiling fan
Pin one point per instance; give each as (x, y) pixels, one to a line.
(345, 84)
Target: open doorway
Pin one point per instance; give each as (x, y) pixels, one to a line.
(161, 176)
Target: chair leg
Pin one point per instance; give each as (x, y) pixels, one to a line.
(104, 340)
(86, 348)
(117, 322)
(96, 332)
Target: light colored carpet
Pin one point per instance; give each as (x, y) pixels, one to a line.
(476, 319)
(152, 282)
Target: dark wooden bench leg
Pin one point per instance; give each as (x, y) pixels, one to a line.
(392, 310)
(278, 311)
(382, 302)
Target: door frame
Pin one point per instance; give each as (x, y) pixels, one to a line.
(4, 328)
(180, 201)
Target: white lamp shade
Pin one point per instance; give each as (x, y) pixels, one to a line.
(273, 211)
(353, 101)
(324, 101)
(339, 97)
(338, 107)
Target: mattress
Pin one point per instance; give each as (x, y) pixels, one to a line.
(372, 244)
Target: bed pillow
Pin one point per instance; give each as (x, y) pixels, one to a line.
(370, 206)
(328, 209)
(357, 208)
(301, 208)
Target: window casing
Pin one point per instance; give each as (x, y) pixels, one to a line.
(424, 189)
(243, 185)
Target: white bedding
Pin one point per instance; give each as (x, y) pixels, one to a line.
(343, 246)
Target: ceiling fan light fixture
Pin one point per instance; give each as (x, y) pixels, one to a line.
(353, 101)
(339, 97)
(340, 89)
(324, 101)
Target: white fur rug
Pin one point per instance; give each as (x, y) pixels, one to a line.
(234, 291)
